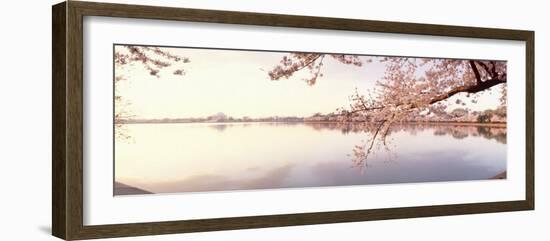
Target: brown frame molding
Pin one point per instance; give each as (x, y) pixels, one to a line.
(67, 121)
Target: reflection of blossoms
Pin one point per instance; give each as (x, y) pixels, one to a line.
(492, 133)
(362, 150)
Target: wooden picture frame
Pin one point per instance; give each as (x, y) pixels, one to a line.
(67, 120)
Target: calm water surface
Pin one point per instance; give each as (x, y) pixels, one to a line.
(164, 158)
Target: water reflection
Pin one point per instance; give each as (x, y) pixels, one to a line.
(358, 156)
(240, 156)
(497, 132)
(361, 151)
(457, 131)
(219, 127)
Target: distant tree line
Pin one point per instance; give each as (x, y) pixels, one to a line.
(465, 115)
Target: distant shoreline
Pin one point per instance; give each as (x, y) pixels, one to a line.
(448, 123)
(491, 124)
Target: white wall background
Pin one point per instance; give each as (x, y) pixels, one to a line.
(25, 120)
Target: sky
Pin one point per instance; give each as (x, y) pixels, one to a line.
(236, 83)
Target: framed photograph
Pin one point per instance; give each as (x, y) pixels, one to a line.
(171, 120)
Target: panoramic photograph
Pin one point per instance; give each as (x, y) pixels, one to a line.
(189, 120)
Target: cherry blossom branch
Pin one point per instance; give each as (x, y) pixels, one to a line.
(403, 91)
(476, 71)
(295, 62)
(468, 89)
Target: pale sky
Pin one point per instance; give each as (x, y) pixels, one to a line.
(236, 83)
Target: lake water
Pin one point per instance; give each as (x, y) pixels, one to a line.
(196, 157)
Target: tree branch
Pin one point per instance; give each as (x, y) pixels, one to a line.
(309, 62)
(467, 89)
(494, 73)
(476, 71)
(484, 67)
(478, 87)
